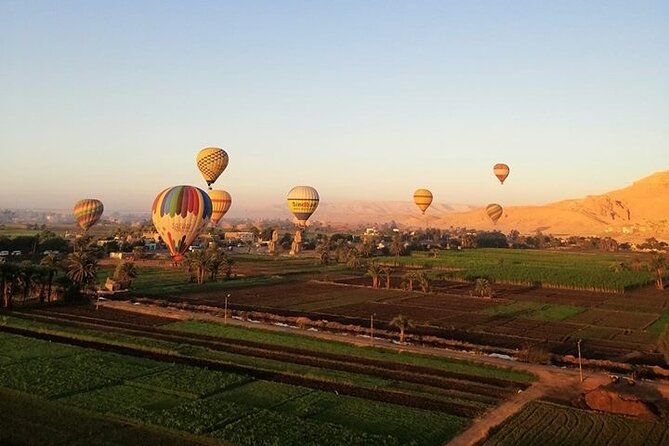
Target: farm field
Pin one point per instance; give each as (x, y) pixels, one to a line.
(585, 271)
(159, 278)
(542, 423)
(221, 405)
(612, 324)
(264, 349)
(24, 418)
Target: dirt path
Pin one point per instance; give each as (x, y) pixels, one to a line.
(481, 426)
(557, 383)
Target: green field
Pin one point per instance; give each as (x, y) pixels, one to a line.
(535, 310)
(163, 281)
(314, 344)
(541, 423)
(225, 406)
(30, 420)
(584, 271)
(370, 381)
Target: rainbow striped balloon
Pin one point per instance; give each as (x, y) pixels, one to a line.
(87, 212)
(423, 199)
(494, 211)
(220, 202)
(302, 202)
(180, 214)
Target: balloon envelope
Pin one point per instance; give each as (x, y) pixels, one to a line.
(220, 203)
(302, 202)
(180, 213)
(494, 211)
(423, 199)
(87, 212)
(212, 161)
(501, 171)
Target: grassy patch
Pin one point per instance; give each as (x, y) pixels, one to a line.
(190, 382)
(314, 344)
(29, 420)
(514, 309)
(660, 324)
(588, 271)
(51, 376)
(556, 312)
(157, 281)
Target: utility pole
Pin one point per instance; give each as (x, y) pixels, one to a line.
(371, 326)
(580, 368)
(225, 314)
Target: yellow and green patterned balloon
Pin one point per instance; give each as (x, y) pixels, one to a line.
(87, 212)
(211, 161)
(302, 202)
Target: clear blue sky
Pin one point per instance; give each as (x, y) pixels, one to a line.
(361, 99)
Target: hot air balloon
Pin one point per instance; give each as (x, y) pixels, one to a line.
(423, 199)
(220, 203)
(494, 211)
(302, 202)
(501, 171)
(87, 212)
(211, 161)
(180, 213)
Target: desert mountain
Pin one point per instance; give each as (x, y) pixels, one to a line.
(364, 212)
(636, 212)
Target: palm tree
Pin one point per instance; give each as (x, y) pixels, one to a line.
(387, 271)
(482, 287)
(82, 269)
(137, 253)
(374, 271)
(229, 263)
(27, 275)
(423, 281)
(81, 243)
(124, 273)
(659, 266)
(8, 277)
(323, 250)
(216, 262)
(397, 247)
(367, 247)
(50, 263)
(198, 261)
(341, 250)
(408, 280)
(353, 258)
(402, 323)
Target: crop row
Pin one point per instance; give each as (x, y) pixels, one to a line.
(247, 412)
(563, 270)
(322, 359)
(542, 423)
(370, 393)
(29, 420)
